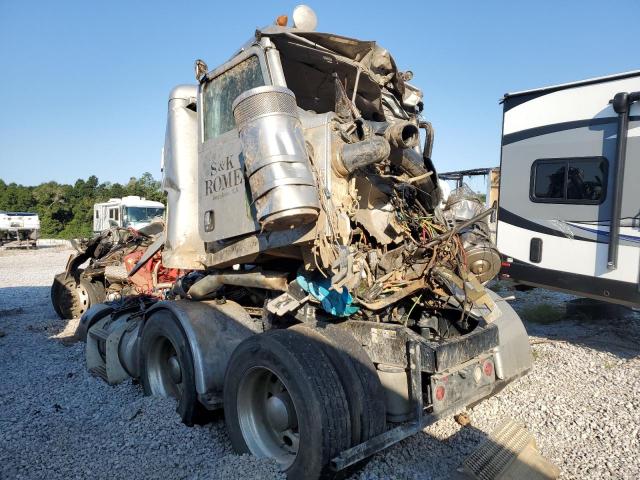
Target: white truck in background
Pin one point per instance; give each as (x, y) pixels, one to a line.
(19, 229)
(130, 211)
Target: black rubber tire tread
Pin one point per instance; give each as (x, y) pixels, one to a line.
(320, 400)
(375, 408)
(348, 378)
(163, 323)
(56, 287)
(359, 379)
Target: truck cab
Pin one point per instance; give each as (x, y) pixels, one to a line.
(128, 212)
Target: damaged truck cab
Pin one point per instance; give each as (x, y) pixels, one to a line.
(331, 302)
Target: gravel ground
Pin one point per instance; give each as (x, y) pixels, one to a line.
(581, 402)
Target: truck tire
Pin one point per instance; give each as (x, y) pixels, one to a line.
(284, 400)
(72, 296)
(56, 287)
(358, 378)
(166, 366)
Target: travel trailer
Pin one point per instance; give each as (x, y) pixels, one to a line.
(569, 215)
(131, 211)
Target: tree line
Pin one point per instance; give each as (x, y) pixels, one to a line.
(66, 211)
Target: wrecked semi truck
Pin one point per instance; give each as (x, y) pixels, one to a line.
(328, 303)
(99, 270)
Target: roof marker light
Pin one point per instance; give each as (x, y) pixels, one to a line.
(304, 18)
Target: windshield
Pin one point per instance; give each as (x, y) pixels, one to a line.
(142, 214)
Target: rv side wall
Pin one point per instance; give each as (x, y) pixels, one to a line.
(556, 190)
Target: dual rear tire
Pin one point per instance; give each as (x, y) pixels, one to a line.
(299, 396)
(320, 406)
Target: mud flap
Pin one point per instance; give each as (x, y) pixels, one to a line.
(509, 453)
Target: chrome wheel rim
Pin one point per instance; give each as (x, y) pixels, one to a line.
(268, 417)
(164, 370)
(74, 299)
(82, 297)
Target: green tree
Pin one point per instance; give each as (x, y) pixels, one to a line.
(66, 211)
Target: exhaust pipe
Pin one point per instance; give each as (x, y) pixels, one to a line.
(402, 135)
(360, 154)
(212, 283)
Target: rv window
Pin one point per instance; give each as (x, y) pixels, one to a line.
(97, 213)
(219, 94)
(570, 180)
(587, 180)
(549, 180)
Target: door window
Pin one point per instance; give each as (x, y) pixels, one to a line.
(219, 94)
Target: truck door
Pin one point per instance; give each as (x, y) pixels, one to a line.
(225, 208)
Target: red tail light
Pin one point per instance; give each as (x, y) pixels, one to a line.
(440, 393)
(488, 368)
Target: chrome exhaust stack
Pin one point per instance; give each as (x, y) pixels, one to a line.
(277, 164)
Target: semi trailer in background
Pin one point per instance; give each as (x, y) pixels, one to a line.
(307, 279)
(19, 229)
(569, 216)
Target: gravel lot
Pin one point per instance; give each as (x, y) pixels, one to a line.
(56, 421)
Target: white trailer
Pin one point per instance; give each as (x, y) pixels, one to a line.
(19, 229)
(569, 204)
(131, 211)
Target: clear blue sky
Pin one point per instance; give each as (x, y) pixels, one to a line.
(83, 84)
